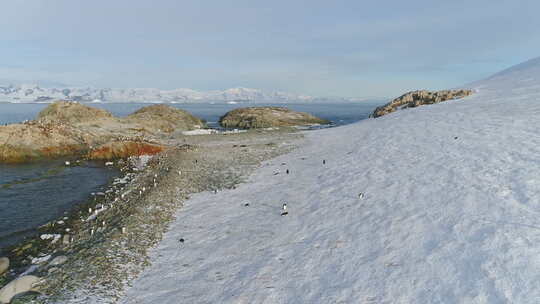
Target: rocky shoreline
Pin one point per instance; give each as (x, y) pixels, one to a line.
(94, 252)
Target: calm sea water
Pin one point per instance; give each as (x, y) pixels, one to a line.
(338, 113)
(33, 194)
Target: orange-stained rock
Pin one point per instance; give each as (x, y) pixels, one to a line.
(123, 149)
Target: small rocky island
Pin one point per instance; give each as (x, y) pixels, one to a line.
(419, 98)
(267, 117)
(67, 128)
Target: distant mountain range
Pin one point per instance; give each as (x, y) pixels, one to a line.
(35, 93)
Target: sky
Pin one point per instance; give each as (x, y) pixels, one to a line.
(347, 48)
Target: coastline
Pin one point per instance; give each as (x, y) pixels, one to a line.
(105, 251)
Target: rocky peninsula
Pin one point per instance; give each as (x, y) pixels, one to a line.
(71, 129)
(267, 117)
(418, 98)
(92, 253)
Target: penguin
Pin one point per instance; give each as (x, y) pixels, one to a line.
(361, 195)
(284, 210)
(324, 161)
(287, 171)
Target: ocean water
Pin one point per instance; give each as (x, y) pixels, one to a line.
(338, 113)
(33, 194)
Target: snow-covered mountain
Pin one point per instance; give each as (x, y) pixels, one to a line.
(448, 213)
(35, 93)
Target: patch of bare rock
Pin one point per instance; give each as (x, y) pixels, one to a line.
(267, 117)
(419, 98)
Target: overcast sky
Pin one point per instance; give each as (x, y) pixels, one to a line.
(319, 47)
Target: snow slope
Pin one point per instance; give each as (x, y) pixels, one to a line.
(451, 213)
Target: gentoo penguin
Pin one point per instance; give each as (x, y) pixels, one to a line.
(284, 210)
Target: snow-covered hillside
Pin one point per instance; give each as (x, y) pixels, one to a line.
(35, 93)
(450, 213)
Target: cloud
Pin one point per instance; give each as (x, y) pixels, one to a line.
(315, 47)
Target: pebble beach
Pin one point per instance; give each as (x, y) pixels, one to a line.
(93, 254)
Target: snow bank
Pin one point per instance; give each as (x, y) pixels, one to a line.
(449, 214)
(200, 132)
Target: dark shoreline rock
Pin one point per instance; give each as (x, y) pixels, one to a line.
(267, 117)
(418, 98)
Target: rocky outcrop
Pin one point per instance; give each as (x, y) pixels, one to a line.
(20, 285)
(265, 117)
(73, 129)
(35, 140)
(418, 98)
(165, 118)
(72, 113)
